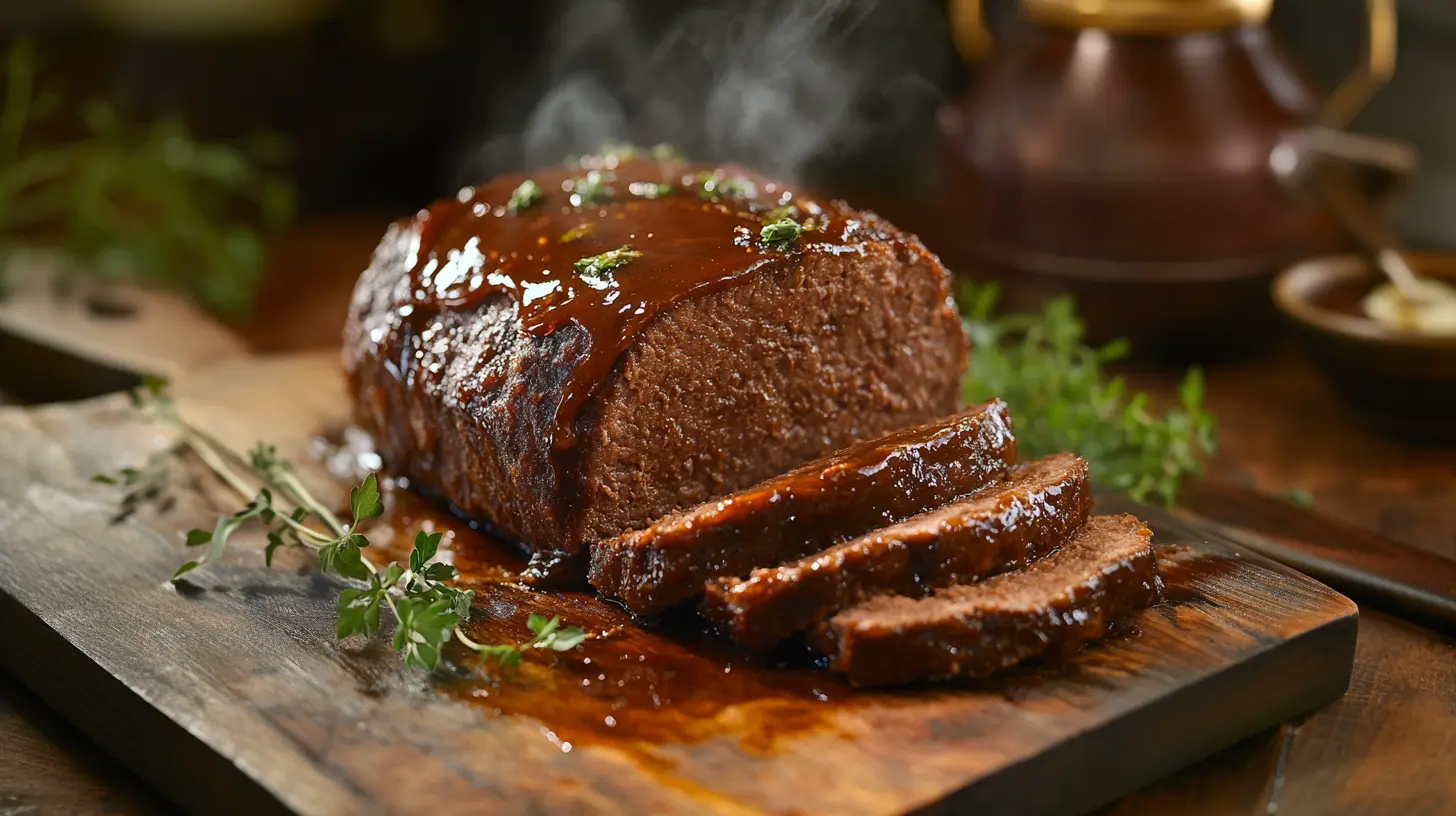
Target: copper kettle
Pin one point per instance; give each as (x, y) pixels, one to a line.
(1119, 150)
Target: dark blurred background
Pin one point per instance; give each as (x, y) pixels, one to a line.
(391, 102)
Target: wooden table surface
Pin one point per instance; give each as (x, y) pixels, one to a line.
(1389, 746)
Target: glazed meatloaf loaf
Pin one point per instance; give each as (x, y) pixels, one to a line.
(571, 353)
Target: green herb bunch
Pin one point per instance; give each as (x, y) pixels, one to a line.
(427, 609)
(129, 202)
(1063, 400)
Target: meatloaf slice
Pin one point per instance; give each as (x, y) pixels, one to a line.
(1055, 605)
(1001, 527)
(807, 509)
(574, 352)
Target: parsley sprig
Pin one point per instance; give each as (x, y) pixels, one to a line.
(1062, 399)
(428, 610)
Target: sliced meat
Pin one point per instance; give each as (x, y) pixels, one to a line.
(573, 352)
(862, 487)
(1053, 606)
(1002, 527)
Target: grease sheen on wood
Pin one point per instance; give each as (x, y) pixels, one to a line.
(238, 699)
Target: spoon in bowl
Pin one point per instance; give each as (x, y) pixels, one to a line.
(1407, 302)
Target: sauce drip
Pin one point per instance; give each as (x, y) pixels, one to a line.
(630, 685)
(477, 246)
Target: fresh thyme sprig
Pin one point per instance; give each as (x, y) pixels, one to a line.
(1062, 400)
(428, 611)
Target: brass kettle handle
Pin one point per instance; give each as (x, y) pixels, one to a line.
(968, 29)
(1373, 72)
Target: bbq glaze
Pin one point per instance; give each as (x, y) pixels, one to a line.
(692, 238)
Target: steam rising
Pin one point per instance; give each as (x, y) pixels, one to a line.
(776, 85)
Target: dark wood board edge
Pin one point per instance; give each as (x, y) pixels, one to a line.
(190, 773)
(35, 372)
(1405, 581)
(1321, 660)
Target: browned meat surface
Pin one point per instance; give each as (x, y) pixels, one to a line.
(1002, 527)
(566, 406)
(860, 488)
(1053, 606)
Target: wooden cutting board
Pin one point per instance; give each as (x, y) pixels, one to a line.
(231, 694)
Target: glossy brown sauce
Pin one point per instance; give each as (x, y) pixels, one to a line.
(627, 684)
(469, 249)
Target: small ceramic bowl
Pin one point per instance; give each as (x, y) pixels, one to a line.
(1403, 383)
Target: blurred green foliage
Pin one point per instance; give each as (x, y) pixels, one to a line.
(137, 202)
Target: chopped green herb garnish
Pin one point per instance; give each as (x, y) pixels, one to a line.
(428, 611)
(526, 196)
(780, 213)
(619, 152)
(577, 233)
(590, 189)
(648, 189)
(780, 233)
(596, 270)
(1056, 388)
(713, 186)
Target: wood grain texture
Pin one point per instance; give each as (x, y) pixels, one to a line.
(1416, 584)
(235, 697)
(46, 766)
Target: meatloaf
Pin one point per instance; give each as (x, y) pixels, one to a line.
(571, 353)
(1002, 527)
(1053, 606)
(864, 486)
